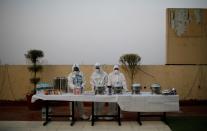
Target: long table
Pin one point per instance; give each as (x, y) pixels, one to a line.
(49, 116)
(143, 102)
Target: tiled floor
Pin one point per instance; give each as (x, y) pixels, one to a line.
(82, 126)
(19, 118)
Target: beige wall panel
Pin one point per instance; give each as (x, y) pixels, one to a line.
(190, 47)
(190, 81)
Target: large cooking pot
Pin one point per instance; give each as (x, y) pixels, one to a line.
(100, 90)
(136, 88)
(156, 88)
(117, 89)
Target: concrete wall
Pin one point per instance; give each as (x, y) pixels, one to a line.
(86, 31)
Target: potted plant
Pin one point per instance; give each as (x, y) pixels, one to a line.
(130, 63)
(33, 56)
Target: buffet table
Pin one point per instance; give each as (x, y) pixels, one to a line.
(143, 102)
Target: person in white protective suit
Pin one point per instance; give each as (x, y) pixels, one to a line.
(76, 80)
(99, 78)
(116, 79)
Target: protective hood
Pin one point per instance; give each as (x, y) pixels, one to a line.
(116, 66)
(75, 65)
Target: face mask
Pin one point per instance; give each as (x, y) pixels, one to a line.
(116, 71)
(76, 72)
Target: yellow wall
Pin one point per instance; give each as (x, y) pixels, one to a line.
(14, 79)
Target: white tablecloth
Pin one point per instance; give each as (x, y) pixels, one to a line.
(144, 102)
(147, 102)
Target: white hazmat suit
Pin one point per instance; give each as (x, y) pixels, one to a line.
(116, 79)
(76, 80)
(99, 78)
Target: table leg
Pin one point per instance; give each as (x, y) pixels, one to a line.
(46, 113)
(73, 114)
(138, 118)
(92, 115)
(164, 118)
(119, 120)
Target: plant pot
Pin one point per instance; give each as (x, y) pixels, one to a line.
(37, 105)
